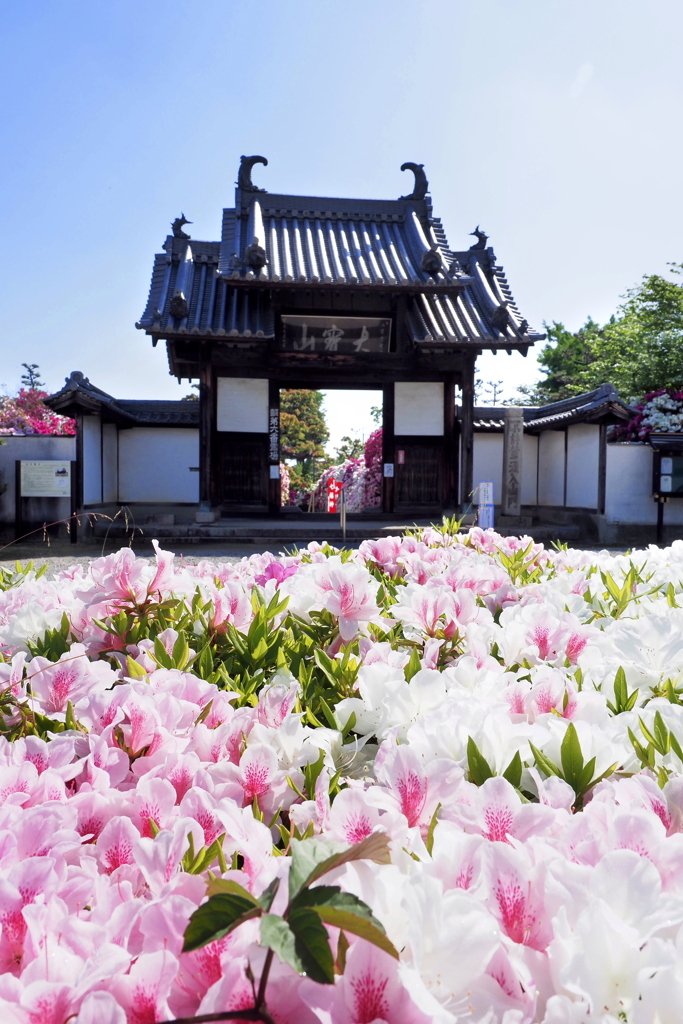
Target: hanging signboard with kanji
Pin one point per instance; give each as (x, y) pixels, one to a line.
(341, 334)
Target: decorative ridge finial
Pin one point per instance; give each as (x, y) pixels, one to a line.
(178, 225)
(421, 184)
(244, 174)
(482, 238)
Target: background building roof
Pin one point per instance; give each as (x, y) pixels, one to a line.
(602, 405)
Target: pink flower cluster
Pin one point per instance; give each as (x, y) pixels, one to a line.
(27, 414)
(362, 479)
(527, 883)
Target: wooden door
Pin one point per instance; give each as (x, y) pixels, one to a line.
(419, 474)
(241, 464)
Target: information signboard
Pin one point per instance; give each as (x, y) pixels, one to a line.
(671, 474)
(45, 479)
(485, 511)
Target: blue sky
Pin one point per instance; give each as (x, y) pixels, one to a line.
(556, 126)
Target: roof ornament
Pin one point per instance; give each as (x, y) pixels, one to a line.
(500, 317)
(421, 184)
(482, 238)
(74, 381)
(178, 225)
(431, 261)
(255, 254)
(178, 306)
(244, 174)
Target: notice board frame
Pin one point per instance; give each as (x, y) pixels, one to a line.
(19, 521)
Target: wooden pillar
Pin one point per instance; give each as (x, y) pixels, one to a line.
(467, 436)
(274, 483)
(388, 447)
(450, 445)
(602, 468)
(206, 428)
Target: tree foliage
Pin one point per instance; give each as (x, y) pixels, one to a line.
(303, 434)
(639, 350)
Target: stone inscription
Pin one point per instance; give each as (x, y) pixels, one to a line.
(512, 462)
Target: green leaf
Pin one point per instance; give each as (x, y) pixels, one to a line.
(571, 757)
(513, 772)
(219, 916)
(620, 689)
(133, 669)
(429, 840)
(662, 742)
(223, 886)
(205, 662)
(269, 893)
(414, 665)
(676, 746)
(342, 950)
(311, 772)
(161, 655)
(312, 858)
(477, 764)
(544, 763)
(312, 944)
(278, 936)
(346, 911)
(181, 652)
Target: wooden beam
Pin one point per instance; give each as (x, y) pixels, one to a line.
(467, 435)
(388, 447)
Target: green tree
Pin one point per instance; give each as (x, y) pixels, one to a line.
(31, 379)
(350, 448)
(639, 350)
(303, 434)
(564, 359)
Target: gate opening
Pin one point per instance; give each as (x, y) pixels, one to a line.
(330, 439)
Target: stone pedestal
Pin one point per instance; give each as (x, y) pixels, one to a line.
(205, 517)
(512, 461)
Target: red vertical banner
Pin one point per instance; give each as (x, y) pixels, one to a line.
(334, 488)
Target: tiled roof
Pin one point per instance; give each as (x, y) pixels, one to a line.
(223, 288)
(78, 394)
(602, 404)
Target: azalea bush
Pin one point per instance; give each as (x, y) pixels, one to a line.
(439, 778)
(362, 478)
(660, 412)
(26, 413)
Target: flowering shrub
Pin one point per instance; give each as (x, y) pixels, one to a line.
(660, 412)
(28, 414)
(284, 484)
(362, 480)
(439, 778)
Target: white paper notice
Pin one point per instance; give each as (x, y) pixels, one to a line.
(45, 479)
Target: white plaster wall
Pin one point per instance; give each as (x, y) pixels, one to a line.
(529, 468)
(583, 465)
(92, 460)
(628, 486)
(551, 467)
(154, 464)
(34, 446)
(242, 405)
(110, 462)
(418, 408)
(488, 463)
